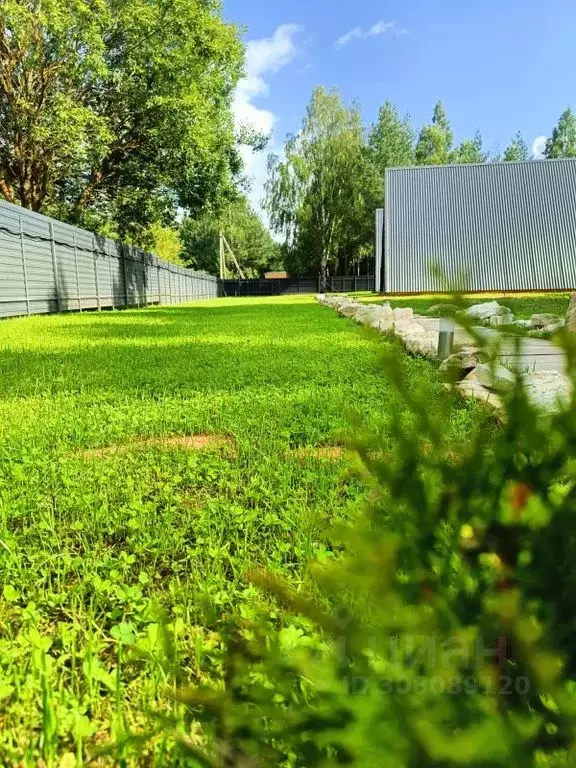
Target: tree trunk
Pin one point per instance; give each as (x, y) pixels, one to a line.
(323, 274)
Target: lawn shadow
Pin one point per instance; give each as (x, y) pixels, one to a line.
(185, 358)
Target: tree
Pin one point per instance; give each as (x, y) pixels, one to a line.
(317, 196)
(166, 243)
(517, 151)
(244, 230)
(50, 52)
(391, 139)
(471, 151)
(434, 146)
(115, 112)
(563, 140)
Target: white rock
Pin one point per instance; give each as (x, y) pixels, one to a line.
(495, 377)
(383, 323)
(542, 320)
(497, 320)
(484, 311)
(403, 314)
(549, 390)
(415, 338)
(369, 314)
(523, 323)
(340, 301)
(571, 314)
(553, 327)
(376, 312)
(471, 387)
(350, 309)
(459, 365)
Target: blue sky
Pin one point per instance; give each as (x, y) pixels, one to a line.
(498, 65)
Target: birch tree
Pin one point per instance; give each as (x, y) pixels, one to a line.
(317, 196)
(562, 143)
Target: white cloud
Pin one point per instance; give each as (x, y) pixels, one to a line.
(354, 34)
(380, 28)
(264, 57)
(539, 147)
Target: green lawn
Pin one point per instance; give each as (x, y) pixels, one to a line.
(97, 549)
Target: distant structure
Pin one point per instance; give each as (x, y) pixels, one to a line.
(276, 276)
(489, 227)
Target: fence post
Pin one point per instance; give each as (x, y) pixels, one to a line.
(136, 270)
(123, 257)
(76, 270)
(112, 296)
(55, 268)
(145, 268)
(159, 286)
(96, 280)
(24, 271)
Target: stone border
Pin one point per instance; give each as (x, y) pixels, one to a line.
(485, 381)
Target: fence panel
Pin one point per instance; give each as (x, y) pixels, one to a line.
(49, 266)
(295, 285)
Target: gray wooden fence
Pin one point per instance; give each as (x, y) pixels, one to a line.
(47, 266)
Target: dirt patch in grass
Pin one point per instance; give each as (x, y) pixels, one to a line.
(184, 442)
(319, 452)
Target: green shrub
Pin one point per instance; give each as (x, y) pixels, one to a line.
(441, 630)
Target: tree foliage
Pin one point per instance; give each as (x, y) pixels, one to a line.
(562, 143)
(517, 151)
(391, 140)
(317, 196)
(51, 53)
(244, 230)
(471, 151)
(166, 243)
(435, 143)
(115, 112)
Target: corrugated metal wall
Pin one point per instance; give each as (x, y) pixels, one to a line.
(48, 266)
(379, 247)
(491, 227)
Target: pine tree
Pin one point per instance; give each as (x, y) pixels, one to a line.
(471, 151)
(391, 140)
(517, 151)
(434, 145)
(563, 140)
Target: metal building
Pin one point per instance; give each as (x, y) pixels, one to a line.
(489, 227)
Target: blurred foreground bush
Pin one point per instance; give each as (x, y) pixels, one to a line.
(443, 633)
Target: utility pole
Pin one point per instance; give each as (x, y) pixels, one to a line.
(223, 273)
(231, 252)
